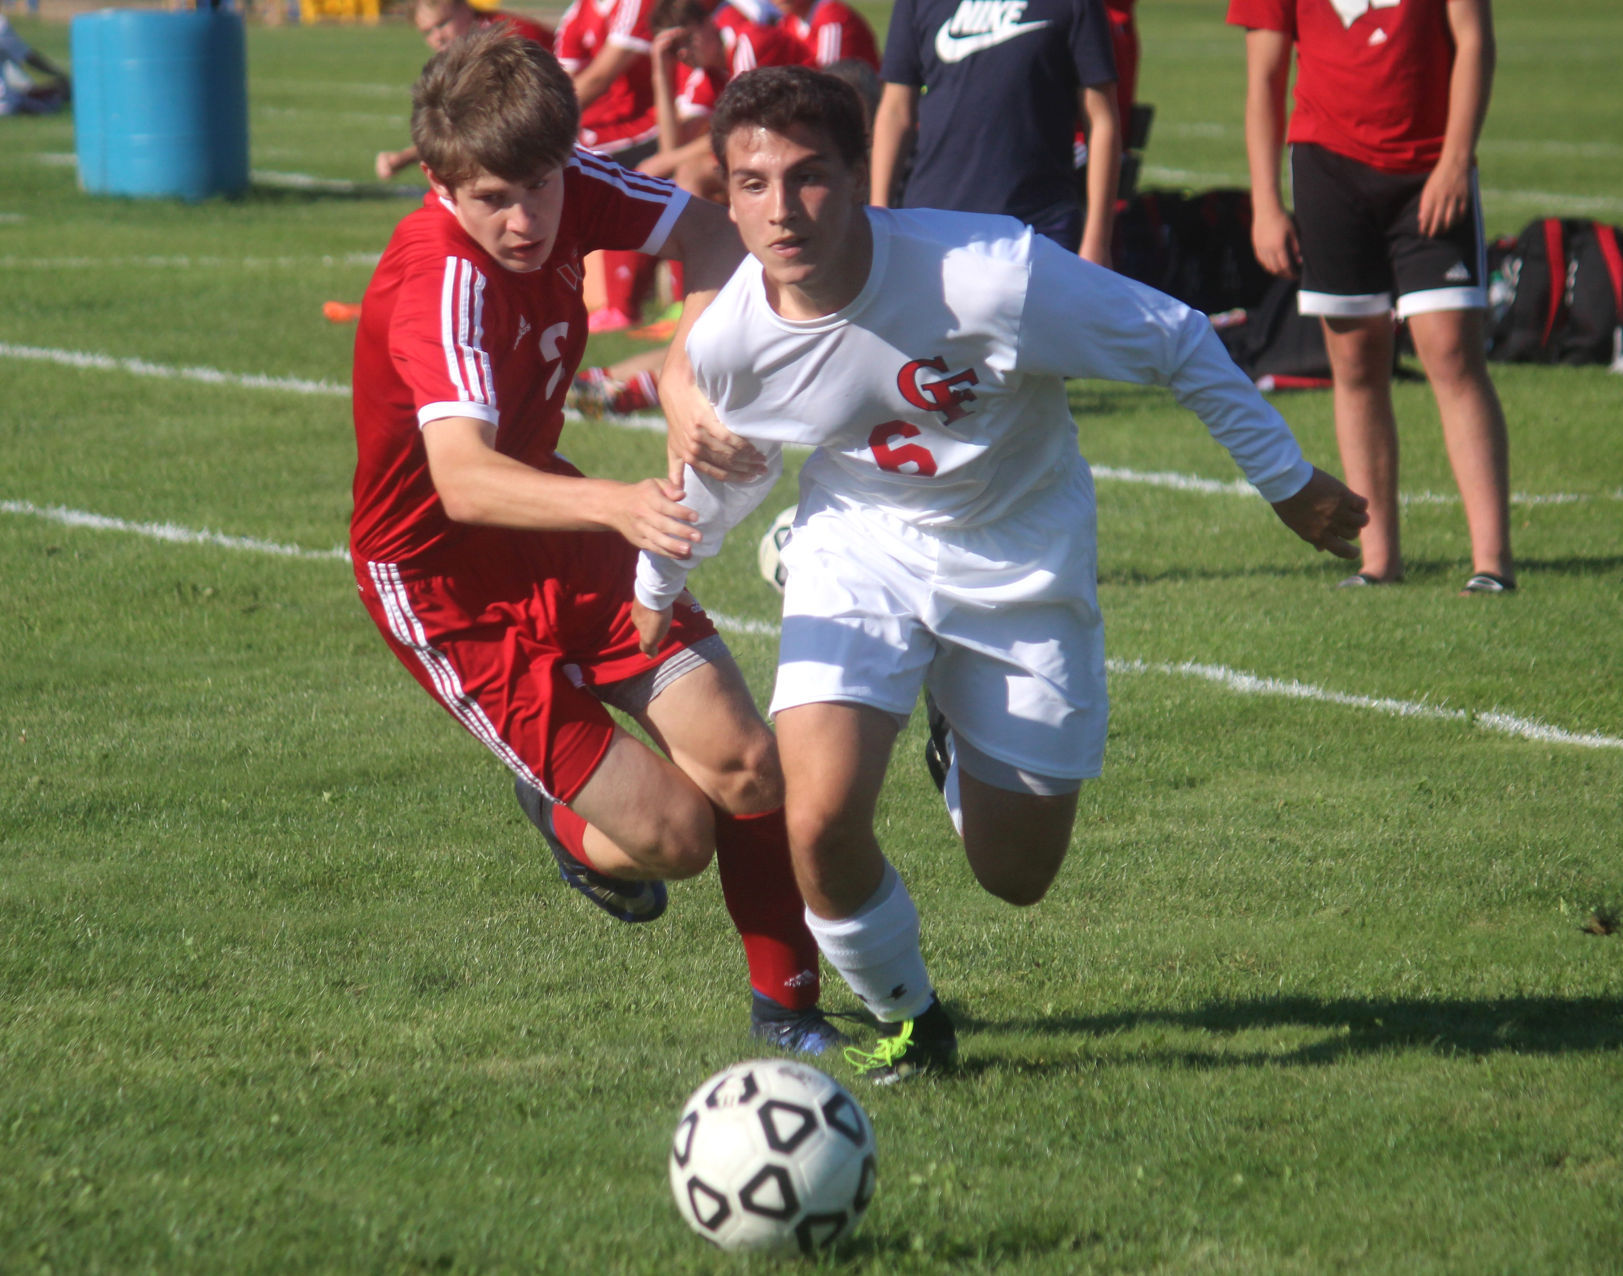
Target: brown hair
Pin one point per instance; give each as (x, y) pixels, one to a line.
(496, 102)
(677, 13)
(778, 97)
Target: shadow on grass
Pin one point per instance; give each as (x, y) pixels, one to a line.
(1008, 1244)
(1355, 1026)
(1421, 573)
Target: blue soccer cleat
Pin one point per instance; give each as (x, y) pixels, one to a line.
(621, 898)
(798, 1031)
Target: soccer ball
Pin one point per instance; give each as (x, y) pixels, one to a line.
(769, 555)
(773, 1154)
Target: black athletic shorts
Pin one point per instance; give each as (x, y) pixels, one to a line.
(1361, 243)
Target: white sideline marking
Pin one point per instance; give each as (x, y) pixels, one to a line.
(165, 531)
(1251, 684)
(141, 368)
(337, 185)
(364, 89)
(348, 117)
(1232, 679)
(649, 422)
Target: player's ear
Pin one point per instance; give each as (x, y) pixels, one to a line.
(438, 187)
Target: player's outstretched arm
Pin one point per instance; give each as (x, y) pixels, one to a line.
(1326, 513)
(481, 486)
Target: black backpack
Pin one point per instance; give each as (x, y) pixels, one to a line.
(1555, 294)
(1195, 246)
(1273, 344)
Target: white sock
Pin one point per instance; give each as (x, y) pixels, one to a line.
(952, 793)
(876, 951)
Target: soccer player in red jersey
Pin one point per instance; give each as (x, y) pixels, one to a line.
(441, 22)
(1390, 100)
(832, 30)
(500, 575)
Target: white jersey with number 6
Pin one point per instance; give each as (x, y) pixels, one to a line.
(937, 396)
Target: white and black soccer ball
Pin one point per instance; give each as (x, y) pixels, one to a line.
(770, 554)
(773, 1154)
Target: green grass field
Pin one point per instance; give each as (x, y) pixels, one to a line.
(288, 984)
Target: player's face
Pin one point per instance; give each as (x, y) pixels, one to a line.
(515, 222)
(798, 207)
(702, 48)
(441, 26)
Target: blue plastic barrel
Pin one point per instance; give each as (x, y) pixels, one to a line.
(160, 102)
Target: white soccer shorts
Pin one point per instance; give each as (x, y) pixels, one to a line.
(1001, 622)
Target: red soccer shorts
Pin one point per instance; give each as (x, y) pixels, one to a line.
(510, 631)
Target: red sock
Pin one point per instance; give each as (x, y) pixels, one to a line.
(758, 884)
(642, 391)
(570, 829)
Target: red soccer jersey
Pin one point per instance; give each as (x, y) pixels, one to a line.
(749, 45)
(624, 112)
(447, 332)
(834, 31)
(1371, 75)
(542, 35)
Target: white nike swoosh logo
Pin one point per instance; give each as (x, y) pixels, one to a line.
(955, 48)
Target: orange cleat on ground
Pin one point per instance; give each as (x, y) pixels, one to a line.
(341, 311)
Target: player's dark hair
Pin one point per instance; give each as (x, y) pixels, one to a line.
(677, 13)
(777, 98)
(496, 102)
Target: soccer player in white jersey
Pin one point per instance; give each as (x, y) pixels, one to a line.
(946, 533)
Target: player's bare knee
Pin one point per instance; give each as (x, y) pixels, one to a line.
(755, 782)
(815, 832)
(1020, 888)
(682, 841)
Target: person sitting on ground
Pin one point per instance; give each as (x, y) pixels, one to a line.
(20, 93)
(441, 22)
(832, 30)
(696, 52)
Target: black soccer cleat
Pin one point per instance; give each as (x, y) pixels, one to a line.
(938, 749)
(620, 898)
(911, 1048)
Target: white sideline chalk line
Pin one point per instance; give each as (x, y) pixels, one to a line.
(298, 385)
(171, 532)
(142, 368)
(1231, 679)
(337, 185)
(1252, 684)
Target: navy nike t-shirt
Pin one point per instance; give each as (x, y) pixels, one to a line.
(998, 113)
